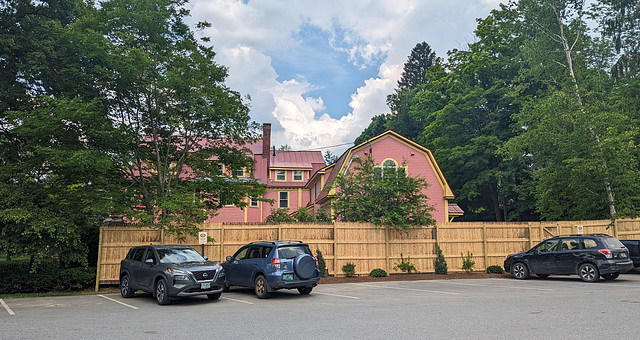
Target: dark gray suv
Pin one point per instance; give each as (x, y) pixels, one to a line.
(271, 265)
(169, 272)
(589, 255)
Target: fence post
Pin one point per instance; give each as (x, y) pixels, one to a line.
(615, 228)
(484, 245)
(335, 250)
(222, 259)
(99, 260)
(386, 249)
(530, 238)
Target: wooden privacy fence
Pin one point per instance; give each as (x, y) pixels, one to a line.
(363, 244)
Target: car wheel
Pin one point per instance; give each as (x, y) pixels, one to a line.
(305, 266)
(542, 276)
(611, 276)
(125, 287)
(305, 290)
(162, 295)
(261, 287)
(588, 272)
(214, 296)
(520, 271)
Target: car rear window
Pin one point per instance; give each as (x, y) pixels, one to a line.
(612, 242)
(178, 255)
(288, 252)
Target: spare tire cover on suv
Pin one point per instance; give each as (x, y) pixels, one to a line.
(304, 265)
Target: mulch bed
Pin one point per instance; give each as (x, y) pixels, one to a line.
(411, 277)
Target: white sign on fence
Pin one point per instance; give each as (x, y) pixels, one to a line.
(580, 229)
(202, 237)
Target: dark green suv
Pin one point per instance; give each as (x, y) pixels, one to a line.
(169, 272)
(271, 265)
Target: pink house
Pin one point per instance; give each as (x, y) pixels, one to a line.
(297, 179)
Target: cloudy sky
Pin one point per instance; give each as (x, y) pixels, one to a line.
(318, 71)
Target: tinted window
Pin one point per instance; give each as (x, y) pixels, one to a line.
(612, 242)
(548, 245)
(137, 256)
(177, 255)
(150, 255)
(590, 243)
(288, 252)
(570, 244)
(241, 254)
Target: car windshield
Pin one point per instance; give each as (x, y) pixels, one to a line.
(288, 252)
(178, 255)
(612, 242)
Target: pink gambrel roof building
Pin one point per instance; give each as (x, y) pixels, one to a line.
(297, 179)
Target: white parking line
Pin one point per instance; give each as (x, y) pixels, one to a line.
(7, 307)
(247, 302)
(512, 287)
(338, 295)
(116, 301)
(412, 289)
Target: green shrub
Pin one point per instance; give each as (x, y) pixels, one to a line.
(322, 266)
(378, 272)
(467, 262)
(495, 270)
(349, 269)
(405, 265)
(440, 263)
(76, 279)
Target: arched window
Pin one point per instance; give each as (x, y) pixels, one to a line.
(389, 166)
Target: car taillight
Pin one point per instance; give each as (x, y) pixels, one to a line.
(276, 262)
(315, 258)
(606, 252)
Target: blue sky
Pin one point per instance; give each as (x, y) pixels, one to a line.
(319, 71)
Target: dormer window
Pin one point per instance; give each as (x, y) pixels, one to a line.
(297, 175)
(280, 175)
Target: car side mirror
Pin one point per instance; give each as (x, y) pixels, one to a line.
(149, 261)
(228, 258)
(206, 258)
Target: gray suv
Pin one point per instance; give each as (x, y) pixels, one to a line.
(271, 265)
(169, 272)
(588, 255)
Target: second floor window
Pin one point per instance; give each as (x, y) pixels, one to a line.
(280, 175)
(254, 202)
(297, 175)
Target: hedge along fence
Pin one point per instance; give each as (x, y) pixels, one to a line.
(363, 244)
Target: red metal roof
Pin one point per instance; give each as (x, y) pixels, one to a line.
(296, 159)
(455, 209)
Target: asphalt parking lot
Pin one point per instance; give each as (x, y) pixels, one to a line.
(558, 307)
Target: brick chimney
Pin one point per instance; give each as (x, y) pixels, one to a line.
(266, 141)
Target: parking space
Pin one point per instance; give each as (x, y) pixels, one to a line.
(451, 308)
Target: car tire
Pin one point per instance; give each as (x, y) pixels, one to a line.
(589, 272)
(162, 294)
(542, 276)
(520, 271)
(305, 290)
(304, 266)
(261, 288)
(610, 277)
(125, 287)
(214, 296)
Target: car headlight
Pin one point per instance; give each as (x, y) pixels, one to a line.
(181, 278)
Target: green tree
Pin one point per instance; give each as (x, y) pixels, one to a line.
(467, 113)
(387, 198)
(376, 127)
(580, 146)
(55, 174)
(177, 120)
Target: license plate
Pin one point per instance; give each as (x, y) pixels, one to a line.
(205, 285)
(287, 276)
(623, 255)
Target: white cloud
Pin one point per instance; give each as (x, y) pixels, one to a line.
(245, 33)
